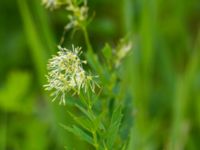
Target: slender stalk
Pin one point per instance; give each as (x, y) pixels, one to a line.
(87, 40)
(96, 145)
(86, 100)
(94, 130)
(90, 49)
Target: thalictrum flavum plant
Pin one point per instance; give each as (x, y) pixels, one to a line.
(100, 118)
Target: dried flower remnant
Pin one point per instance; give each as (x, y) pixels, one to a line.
(50, 3)
(121, 51)
(53, 4)
(66, 74)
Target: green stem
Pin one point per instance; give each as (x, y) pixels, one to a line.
(94, 130)
(96, 145)
(87, 40)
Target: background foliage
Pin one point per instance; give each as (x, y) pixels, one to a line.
(162, 73)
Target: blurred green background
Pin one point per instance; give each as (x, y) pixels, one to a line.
(163, 71)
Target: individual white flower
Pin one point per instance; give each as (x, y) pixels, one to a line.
(66, 74)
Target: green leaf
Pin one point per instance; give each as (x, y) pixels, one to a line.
(107, 52)
(87, 113)
(126, 124)
(93, 61)
(82, 121)
(98, 122)
(114, 126)
(79, 132)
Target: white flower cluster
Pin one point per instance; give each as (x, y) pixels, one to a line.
(78, 14)
(79, 11)
(66, 74)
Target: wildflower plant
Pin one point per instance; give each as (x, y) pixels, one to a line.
(103, 118)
